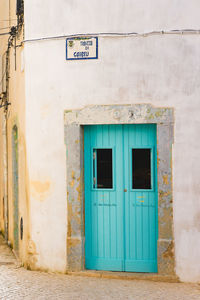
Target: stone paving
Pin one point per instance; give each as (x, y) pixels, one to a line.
(19, 283)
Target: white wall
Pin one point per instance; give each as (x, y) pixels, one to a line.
(49, 17)
(161, 70)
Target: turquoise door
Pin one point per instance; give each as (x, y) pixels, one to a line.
(120, 197)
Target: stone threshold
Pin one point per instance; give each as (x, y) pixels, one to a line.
(126, 276)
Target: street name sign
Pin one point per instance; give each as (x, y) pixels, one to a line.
(81, 48)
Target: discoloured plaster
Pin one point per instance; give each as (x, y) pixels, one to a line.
(119, 114)
(41, 187)
(31, 247)
(40, 190)
(32, 255)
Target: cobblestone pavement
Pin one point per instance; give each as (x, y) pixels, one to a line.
(18, 283)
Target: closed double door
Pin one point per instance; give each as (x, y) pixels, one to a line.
(120, 197)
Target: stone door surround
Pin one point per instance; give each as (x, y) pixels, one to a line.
(74, 134)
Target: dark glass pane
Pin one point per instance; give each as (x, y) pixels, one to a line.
(141, 168)
(104, 168)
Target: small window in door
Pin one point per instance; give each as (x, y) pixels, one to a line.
(102, 169)
(141, 169)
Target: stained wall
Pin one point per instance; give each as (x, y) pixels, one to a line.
(15, 117)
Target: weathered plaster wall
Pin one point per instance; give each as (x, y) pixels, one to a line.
(15, 116)
(4, 13)
(162, 70)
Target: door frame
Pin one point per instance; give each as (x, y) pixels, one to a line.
(74, 135)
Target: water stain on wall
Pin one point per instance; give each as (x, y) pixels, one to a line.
(40, 190)
(32, 255)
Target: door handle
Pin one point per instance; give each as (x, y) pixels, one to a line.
(125, 190)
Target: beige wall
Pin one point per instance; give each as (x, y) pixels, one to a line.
(15, 116)
(4, 15)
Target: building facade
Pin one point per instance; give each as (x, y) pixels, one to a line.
(99, 157)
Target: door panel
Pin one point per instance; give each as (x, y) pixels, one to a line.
(140, 200)
(104, 206)
(120, 216)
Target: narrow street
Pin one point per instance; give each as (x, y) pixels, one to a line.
(19, 283)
